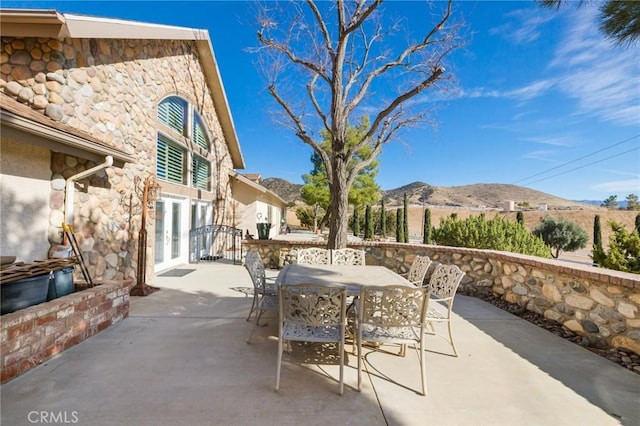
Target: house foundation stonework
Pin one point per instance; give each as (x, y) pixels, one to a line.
(110, 89)
(601, 305)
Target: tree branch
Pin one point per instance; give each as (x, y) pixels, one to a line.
(323, 28)
(399, 61)
(292, 57)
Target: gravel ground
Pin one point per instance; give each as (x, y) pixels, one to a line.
(622, 357)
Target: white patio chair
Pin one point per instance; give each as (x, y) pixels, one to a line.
(261, 284)
(265, 296)
(393, 314)
(313, 256)
(442, 286)
(418, 270)
(312, 313)
(347, 256)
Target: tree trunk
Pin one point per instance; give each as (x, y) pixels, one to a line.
(338, 207)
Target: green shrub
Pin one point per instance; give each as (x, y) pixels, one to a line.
(495, 234)
(623, 253)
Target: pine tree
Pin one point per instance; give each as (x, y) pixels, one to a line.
(426, 231)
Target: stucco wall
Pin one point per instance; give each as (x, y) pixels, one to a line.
(24, 200)
(110, 89)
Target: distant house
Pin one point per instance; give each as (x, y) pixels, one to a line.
(256, 204)
(90, 108)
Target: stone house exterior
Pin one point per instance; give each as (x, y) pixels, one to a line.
(91, 108)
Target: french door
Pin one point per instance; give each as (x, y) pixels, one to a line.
(171, 242)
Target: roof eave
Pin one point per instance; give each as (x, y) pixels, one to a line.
(257, 187)
(21, 128)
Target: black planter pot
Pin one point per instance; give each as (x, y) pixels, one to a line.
(24, 293)
(263, 230)
(61, 283)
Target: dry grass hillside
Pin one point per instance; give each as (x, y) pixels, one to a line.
(490, 195)
(471, 200)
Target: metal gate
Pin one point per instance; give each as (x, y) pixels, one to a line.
(214, 242)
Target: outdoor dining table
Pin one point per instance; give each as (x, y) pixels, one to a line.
(354, 277)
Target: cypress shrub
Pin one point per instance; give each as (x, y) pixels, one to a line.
(368, 224)
(356, 222)
(520, 218)
(406, 219)
(383, 220)
(597, 253)
(426, 232)
(399, 226)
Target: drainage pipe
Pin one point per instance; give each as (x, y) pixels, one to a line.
(68, 201)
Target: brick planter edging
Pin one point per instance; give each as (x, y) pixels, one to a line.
(30, 336)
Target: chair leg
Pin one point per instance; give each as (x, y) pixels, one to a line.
(359, 339)
(342, 364)
(255, 324)
(279, 363)
(253, 305)
(422, 355)
(453, 345)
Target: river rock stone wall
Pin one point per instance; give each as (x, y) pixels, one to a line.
(110, 89)
(600, 304)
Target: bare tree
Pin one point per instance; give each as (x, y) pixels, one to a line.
(326, 63)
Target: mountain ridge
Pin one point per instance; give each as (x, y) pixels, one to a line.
(479, 195)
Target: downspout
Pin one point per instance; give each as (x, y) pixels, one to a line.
(68, 201)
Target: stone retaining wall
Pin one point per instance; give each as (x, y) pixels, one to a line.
(600, 304)
(30, 336)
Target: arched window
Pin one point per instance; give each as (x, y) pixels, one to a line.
(182, 124)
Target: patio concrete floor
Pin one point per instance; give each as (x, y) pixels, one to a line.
(181, 358)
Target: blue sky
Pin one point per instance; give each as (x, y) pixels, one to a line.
(542, 99)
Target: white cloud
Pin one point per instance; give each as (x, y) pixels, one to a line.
(524, 26)
(541, 155)
(603, 78)
(626, 186)
(551, 140)
(529, 91)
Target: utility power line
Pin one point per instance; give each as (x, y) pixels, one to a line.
(577, 159)
(585, 165)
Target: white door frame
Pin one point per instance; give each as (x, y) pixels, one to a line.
(174, 243)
